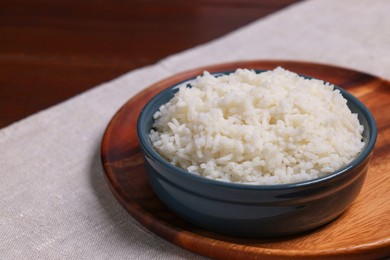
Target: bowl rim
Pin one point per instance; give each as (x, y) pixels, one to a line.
(367, 149)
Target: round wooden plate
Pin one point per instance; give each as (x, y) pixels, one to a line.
(363, 230)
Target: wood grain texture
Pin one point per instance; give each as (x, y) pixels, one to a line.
(362, 231)
(53, 50)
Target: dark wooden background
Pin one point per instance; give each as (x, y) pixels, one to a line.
(53, 50)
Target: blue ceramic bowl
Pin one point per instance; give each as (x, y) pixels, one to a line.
(255, 210)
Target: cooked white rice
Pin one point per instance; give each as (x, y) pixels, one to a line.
(269, 128)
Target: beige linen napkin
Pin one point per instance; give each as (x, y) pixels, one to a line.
(55, 203)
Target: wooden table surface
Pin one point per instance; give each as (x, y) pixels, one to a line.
(53, 50)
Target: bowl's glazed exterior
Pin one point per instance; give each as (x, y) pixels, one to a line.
(255, 210)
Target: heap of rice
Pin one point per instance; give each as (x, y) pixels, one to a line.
(269, 128)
